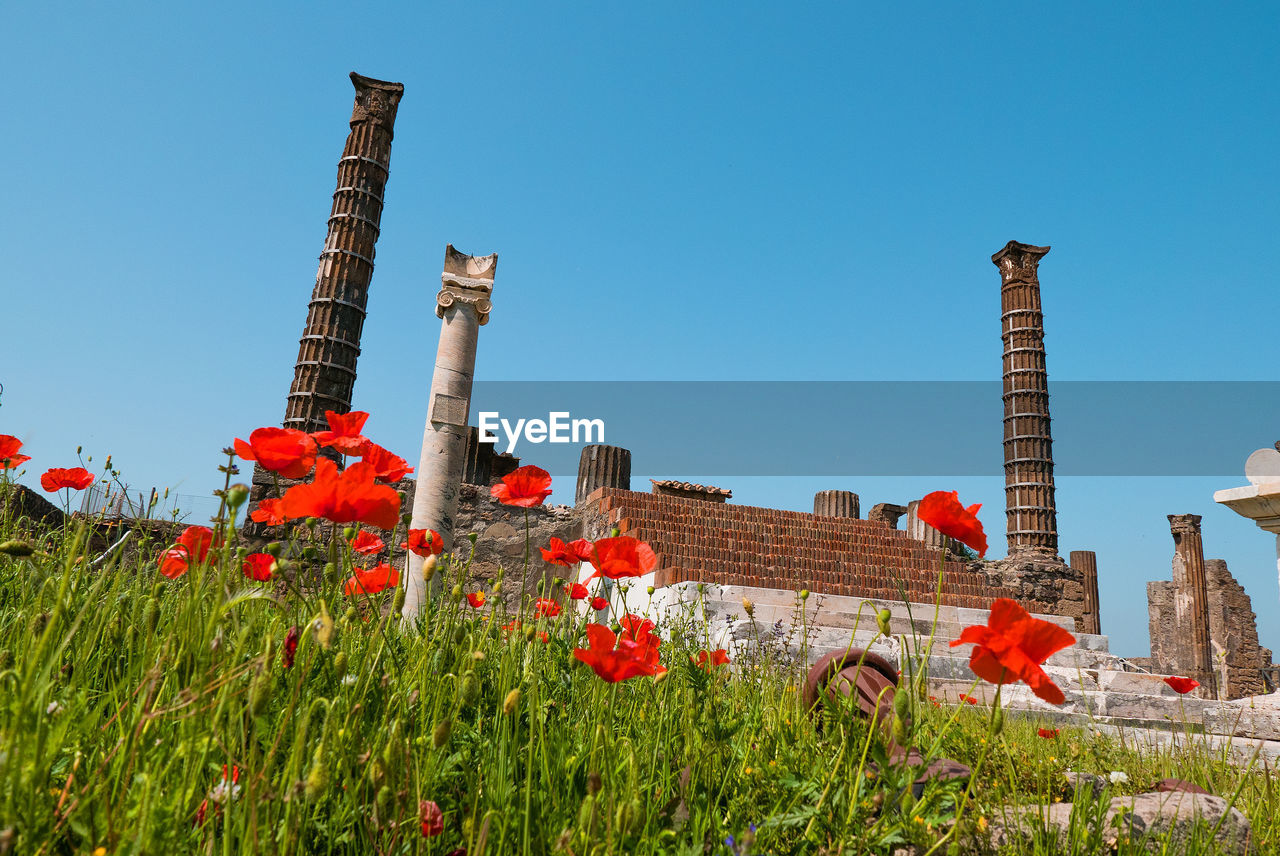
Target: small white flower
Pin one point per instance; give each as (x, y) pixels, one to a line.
(1119, 777)
(349, 681)
(223, 792)
(54, 708)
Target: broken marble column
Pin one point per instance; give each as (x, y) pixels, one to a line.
(921, 531)
(887, 512)
(602, 466)
(463, 304)
(835, 503)
(1191, 601)
(1085, 562)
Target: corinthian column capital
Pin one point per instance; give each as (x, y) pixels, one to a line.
(376, 101)
(1018, 262)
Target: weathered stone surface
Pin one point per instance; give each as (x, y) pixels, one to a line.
(22, 501)
(1047, 581)
(1085, 784)
(602, 466)
(1233, 633)
(1085, 563)
(887, 513)
(835, 503)
(1154, 822)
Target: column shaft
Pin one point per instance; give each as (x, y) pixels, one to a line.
(836, 503)
(1191, 600)
(1085, 562)
(602, 466)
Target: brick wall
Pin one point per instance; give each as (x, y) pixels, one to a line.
(744, 545)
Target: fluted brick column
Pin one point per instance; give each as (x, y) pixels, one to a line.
(1031, 515)
(325, 373)
(1191, 599)
(835, 503)
(602, 466)
(1085, 563)
(464, 304)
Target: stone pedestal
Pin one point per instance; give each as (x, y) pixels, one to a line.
(602, 466)
(835, 503)
(464, 304)
(1191, 600)
(1085, 562)
(1031, 516)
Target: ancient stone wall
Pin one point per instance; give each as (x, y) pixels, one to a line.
(1033, 578)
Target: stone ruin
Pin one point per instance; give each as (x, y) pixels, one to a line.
(1201, 623)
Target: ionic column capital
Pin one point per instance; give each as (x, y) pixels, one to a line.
(467, 280)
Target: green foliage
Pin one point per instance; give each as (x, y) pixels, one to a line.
(125, 696)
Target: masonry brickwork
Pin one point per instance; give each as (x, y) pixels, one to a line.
(744, 545)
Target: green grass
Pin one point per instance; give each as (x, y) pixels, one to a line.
(123, 695)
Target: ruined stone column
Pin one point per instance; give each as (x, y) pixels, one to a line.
(887, 512)
(464, 304)
(326, 369)
(921, 531)
(602, 466)
(835, 503)
(1085, 563)
(1031, 517)
(1191, 600)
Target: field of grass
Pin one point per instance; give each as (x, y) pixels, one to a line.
(147, 715)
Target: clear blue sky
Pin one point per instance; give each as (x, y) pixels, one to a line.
(705, 191)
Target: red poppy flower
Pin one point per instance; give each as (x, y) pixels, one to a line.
(269, 511)
(192, 546)
(432, 818)
(259, 566)
(560, 553)
(543, 637)
(546, 607)
(710, 660)
(627, 660)
(424, 542)
(1181, 686)
(366, 543)
(525, 487)
(1047, 733)
(290, 647)
(286, 451)
(578, 591)
(372, 581)
(56, 478)
(510, 627)
(344, 434)
(475, 599)
(1012, 646)
(9, 456)
(582, 548)
(349, 497)
(942, 510)
(622, 556)
(640, 631)
(388, 466)
(599, 603)
(968, 699)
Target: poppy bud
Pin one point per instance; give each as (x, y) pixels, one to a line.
(406, 518)
(398, 601)
(511, 702)
(340, 665)
(440, 735)
(748, 607)
(78, 450)
(242, 553)
(349, 532)
(17, 549)
(528, 634)
(318, 776)
(497, 587)
(472, 538)
(882, 621)
(660, 677)
(329, 569)
(309, 552)
(901, 733)
(542, 584)
(350, 616)
(151, 615)
(478, 656)
(627, 817)
(237, 495)
(107, 465)
(322, 627)
(384, 800)
(429, 568)
(804, 594)
(469, 690)
(311, 522)
(902, 703)
(586, 811)
(649, 591)
(456, 594)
